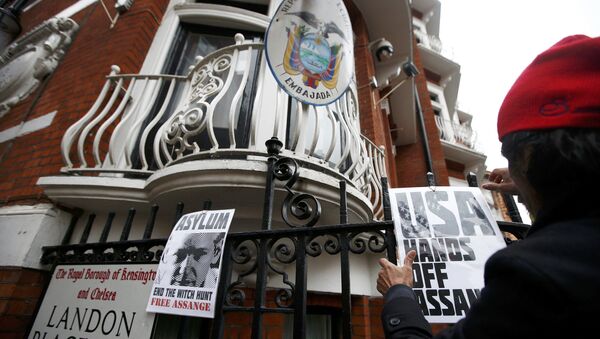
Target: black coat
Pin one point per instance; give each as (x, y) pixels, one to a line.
(545, 286)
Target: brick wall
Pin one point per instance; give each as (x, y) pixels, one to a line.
(373, 121)
(410, 159)
(407, 169)
(71, 89)
(365, 315)
(20, 291)
(455, 169)
(500, 204)
(41, 12)
(375, 308)
(362, 327)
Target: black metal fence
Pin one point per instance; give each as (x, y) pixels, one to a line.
(258, 253)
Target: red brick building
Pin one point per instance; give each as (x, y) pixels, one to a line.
(90, 93)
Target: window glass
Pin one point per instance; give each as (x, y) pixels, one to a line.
(198, 41)
(191, 43)
(434, 97)
(262, 8)
(321, 323)
(167, 326)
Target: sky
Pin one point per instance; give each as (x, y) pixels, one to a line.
(494, 41)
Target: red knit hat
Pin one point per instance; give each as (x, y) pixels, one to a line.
(560, 88)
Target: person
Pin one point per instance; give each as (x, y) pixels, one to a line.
(192, 260)
(500, 180)
(547, 285)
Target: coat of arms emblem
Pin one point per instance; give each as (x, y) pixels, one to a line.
(309, 49)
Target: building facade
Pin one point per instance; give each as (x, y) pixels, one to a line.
(163, 107)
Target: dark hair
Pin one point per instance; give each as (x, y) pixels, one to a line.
(558, 163)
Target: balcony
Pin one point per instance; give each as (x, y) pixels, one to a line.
(434, 43)
(457, 134)
(459, 144)
(159, 137)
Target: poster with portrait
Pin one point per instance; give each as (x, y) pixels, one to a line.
(188, 273)
(454, 233)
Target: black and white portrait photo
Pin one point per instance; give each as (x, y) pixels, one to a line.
(193, 258)
(187, 276)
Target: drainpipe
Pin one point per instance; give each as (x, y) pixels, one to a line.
(428, 162)
(10, 27)
(412, 71)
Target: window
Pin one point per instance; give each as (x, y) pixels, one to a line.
(321, 323)
(247, 5)
(31, 4)
(167, 326)
(193, 41)
(434, 97)
(419, 25)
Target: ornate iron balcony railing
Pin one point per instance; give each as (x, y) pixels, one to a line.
(143, 123)
(434, 43)
(455, 133)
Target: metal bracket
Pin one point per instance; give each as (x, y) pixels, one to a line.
(121, 6)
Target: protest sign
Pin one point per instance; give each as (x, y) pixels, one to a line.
(310, 49)
(454, 233)
(96, 301)
(188, 272)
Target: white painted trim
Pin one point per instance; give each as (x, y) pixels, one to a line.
(30, 6)
(75, 8)
(10, 133)
(180, 11)
(441, 105)
(26, 229)
(175, 181)
(46, 209)
(475, 155)
(27, 127)
(225, 15)
(131, 185)
(457, 182)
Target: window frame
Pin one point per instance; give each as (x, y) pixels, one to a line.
(254, 7)
(173, 65)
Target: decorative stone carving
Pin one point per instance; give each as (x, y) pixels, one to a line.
(31, 58)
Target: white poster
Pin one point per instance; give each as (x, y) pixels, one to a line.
(454, 233)
(96, 301)
(188, 273)
(310, 49)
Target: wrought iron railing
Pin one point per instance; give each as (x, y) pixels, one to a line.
(374, 189)
(249, 250)
(456, 133)
(256, 253)
(434, 43)
(142, 123)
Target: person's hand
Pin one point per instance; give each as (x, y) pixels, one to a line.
(501, 181)
(391, 275)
